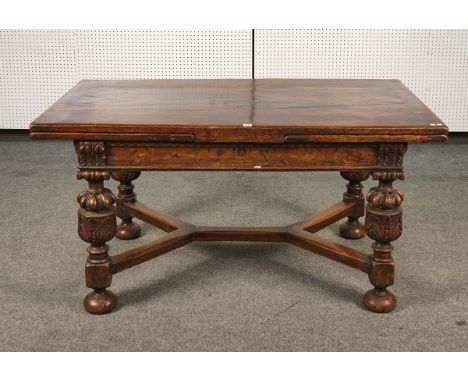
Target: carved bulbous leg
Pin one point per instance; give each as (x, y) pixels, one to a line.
(383, 224)
(97, 225)
(353, 228)
(127, 229)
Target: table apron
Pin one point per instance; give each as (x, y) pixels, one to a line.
(229, 156)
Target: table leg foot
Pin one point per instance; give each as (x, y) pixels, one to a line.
(100, 301)
(379, 300)
(353, 229)
(128, 230)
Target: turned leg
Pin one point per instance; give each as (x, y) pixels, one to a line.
(353, 228)
(97, 225)
(384, 225)
(127, 229)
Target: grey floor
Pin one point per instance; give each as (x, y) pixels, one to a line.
(230, 296)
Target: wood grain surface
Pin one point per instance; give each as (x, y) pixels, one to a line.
(250, 111)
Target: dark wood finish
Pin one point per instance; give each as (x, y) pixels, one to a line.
(97, 225)
(356, 138)
(274, 134)
(357, 127)
(259, 234)
(127, 229)
(384, 225)
(333, 251)
(244, 111)
(181, 233)
(248, 157)
(353, 228)
(157, 218)
(326, 217)
(167, 243)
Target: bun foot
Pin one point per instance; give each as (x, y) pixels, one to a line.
(379, 300)
(128, 231)
(100, 301)
(352, 229)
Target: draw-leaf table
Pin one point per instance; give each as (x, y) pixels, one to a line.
(360, 128)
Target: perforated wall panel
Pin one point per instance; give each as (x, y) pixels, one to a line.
(432, 63)
(134, 54)
(38, 66)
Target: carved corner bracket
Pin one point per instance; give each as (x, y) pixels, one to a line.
(390, 156)
(91, 153)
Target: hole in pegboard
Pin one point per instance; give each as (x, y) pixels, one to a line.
(432, 63)
(39, 66)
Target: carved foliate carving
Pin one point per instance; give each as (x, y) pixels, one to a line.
(355, 176)
(391, 154)
(125, 176)
(96, 198)
(354, 187)
(97, 228)
(96, 201)
(384, 198)
(91, 154)
(97, 224)
(93, 175)
(388, 175)
(383, 226)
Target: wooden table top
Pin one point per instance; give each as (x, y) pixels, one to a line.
(263, 110)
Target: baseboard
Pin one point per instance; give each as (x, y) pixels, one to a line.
(14, 131)
(458, 137)
(14, 134)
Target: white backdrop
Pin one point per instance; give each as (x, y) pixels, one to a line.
(432, 63)
(38, 66)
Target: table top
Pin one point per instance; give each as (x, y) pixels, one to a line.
(262, 110)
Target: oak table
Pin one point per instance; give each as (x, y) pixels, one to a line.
(357, 127)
